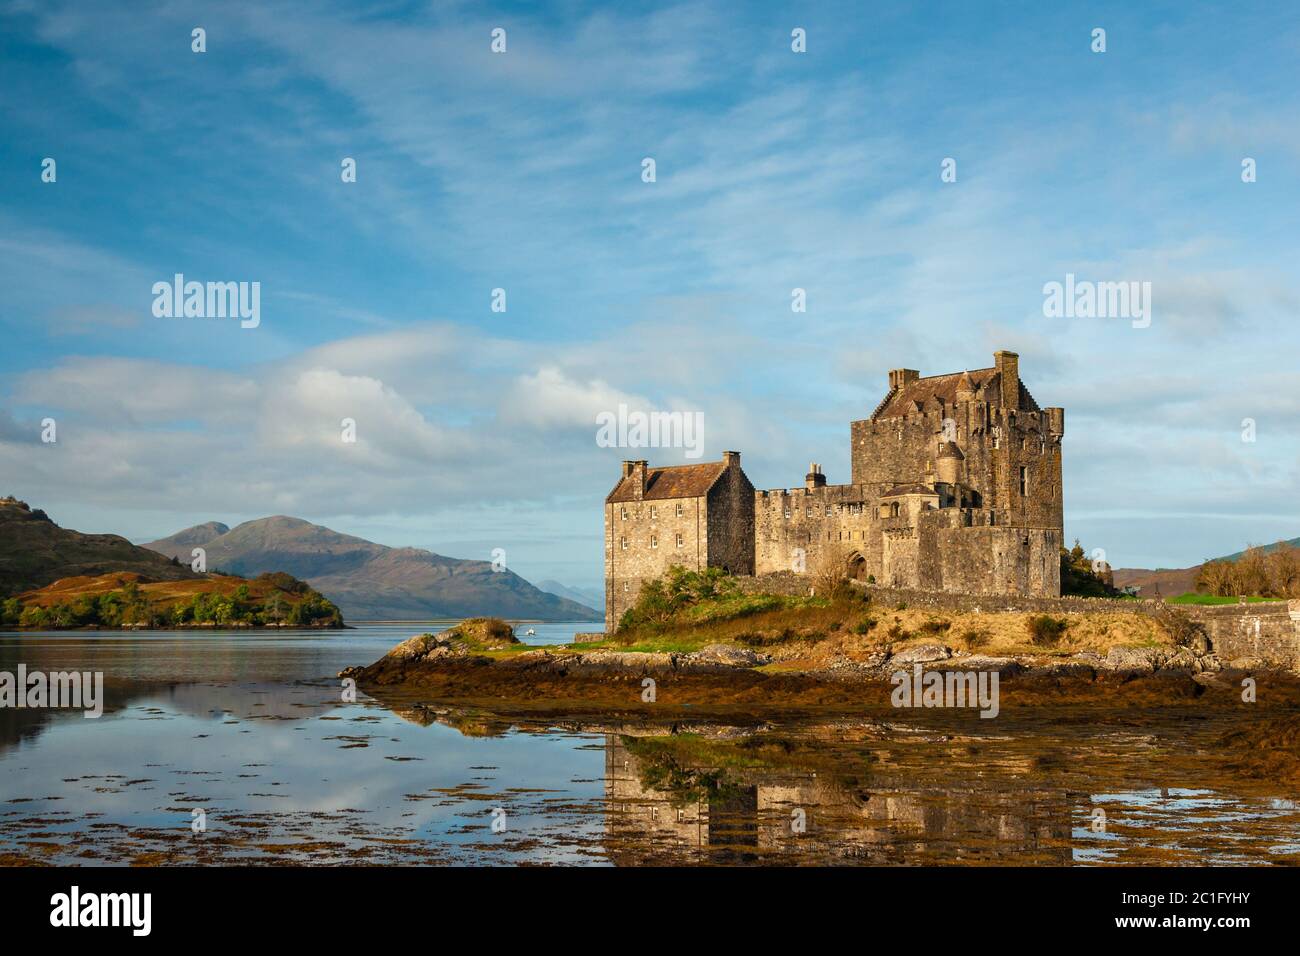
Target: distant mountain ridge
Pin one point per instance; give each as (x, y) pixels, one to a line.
(34, 552)
(1171, 582)
(370, 581)
(584, 596)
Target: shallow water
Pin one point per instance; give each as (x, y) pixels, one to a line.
(252, 731)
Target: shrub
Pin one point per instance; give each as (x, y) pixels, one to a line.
(864, 626)
(1045, 630)
(935, 627)
(975, 638)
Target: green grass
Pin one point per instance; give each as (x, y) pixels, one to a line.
(1193, 598)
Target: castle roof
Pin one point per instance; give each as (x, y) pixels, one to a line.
(949, 449)
(927, 392)
(671, 481)
(911, 488)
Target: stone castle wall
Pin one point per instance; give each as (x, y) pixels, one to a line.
(651, 529)
(644, 538)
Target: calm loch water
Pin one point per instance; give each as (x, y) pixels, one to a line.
(251, 732)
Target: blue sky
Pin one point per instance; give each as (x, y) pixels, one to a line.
(522, 171)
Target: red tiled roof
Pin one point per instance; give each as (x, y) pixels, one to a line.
(927, 391)
(673, 481)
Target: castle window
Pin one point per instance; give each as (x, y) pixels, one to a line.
(654, 540)
(1024, 481)
(679, 509)
(654, 512)
(787, 514)
(997, 436)
(828, 511)
(807, 513)
(624, 513)
(623, 543)
(679, 539)
(626, 588)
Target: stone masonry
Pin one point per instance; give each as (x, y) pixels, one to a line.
(955, 487)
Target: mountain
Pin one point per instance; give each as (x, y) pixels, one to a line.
(583, 596)
(34, 552)
(369, 581)
(1159, 582)
(1171, 582)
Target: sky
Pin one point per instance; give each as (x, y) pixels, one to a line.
(523, 171)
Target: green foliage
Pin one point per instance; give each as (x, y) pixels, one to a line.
(975, 638)
(1080, 578)
(1045, 630)
(935, 627)
(131, 607)
(10, 611)
(1214, 599)
(662, 599)
(864, 626)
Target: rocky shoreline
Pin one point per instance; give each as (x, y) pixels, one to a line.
(450, 667)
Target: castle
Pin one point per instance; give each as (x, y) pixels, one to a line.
(955, 486)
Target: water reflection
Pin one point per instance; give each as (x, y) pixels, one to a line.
(255, 733)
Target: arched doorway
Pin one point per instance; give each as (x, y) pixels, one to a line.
(857, 567)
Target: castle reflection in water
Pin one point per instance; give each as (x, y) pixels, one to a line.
(797, 816)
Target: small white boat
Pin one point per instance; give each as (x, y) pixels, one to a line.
(530, 633)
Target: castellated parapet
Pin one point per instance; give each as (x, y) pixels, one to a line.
(955, 487)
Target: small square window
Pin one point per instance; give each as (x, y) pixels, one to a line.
(624, 513)
(679, 509)
(679, 539)
(654, 512)
(623, 543)
(654, 540)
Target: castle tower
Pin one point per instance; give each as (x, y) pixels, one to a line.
(951, 461)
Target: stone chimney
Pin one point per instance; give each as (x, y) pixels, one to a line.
(814, 478)
(1008, 364)
(636, 471)
(730, 458)
(898, 377)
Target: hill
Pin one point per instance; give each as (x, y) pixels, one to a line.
(127, 599)
(1171, 582)
(34, 552)
(370, 581)
(584, 596)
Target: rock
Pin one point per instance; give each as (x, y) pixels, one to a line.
(1006, 666)
(921, 654)
(1246, 664)
(1072, 668)
(731, 656)
(1143, 660)
(625, 662)
(415, 648)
